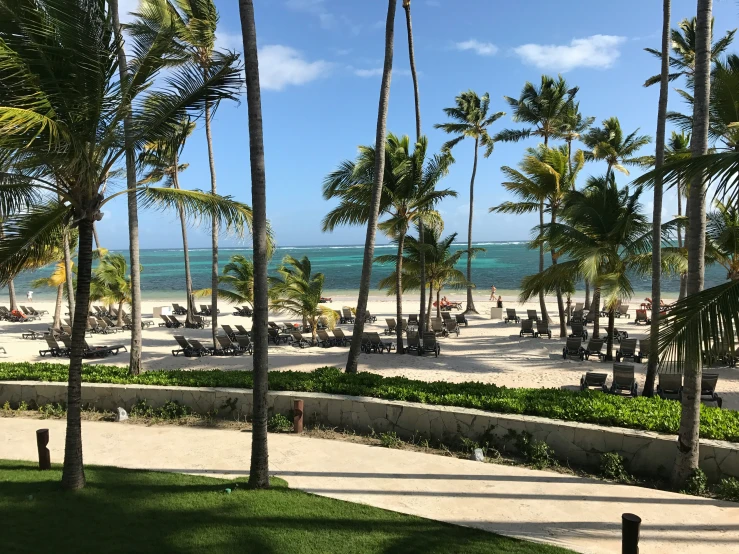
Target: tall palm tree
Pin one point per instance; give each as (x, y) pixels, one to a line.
(56, 280)
(195, 25)
(259, 469)
(162, 159)
(297, 291)
(545, 177)
(470, 120)
(659, 159)
(236, 284)
(678, 147)
(115, 281)
(48, 113)
(683, 41)
(573, 125)
(408, 194)
(722, 237)
(379, 172)
(607, 143)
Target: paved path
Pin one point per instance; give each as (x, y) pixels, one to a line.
(581, 514)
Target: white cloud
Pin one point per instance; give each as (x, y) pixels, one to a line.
(125, 7)
(377, 72)
(229, 41)
(599, 51)
(281, 66)
(481, 48)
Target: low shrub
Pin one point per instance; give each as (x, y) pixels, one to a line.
(170, 410)
(278, 423)
(653, 414)
(728, 489)
(390, 440)
(537, 453)
(612, 466)
(696, 484)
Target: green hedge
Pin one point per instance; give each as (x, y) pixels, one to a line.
(653, 414)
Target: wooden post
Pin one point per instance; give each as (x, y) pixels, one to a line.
(298, 416)
(44, 457)
(630, 533)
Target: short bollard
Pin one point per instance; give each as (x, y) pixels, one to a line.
(44, 456)
(298, 416)
(630, 533)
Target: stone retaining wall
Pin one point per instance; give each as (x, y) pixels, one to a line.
(577, 443)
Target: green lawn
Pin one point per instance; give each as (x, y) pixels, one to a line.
(139, 511)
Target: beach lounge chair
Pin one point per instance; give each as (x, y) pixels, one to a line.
(210, 310)
(527, 328)
(641, 317)
(645, 349)
(39, 313)
(412, 343)
(627, 349)
(461, 320)
(54, 348)
(241, 330)
(404, 325)
(542, 328)
(577, 318)
(230, 333)
(368, 317)
(110, 325)
(622, 311)
(593, 380)
(380, 345)
(391, 326)
(573, 347)
(346, 316)
(437, 327)
(102, 351)
(618, 336)
(199, 322)
(341, 338)
(430, 345)
(590, 317)
(578, 307)
(445, 316)
(511, 316)
(708, 389)
(165, 321)
(29, 315)
(277, 337)
(366, 344)
(623, 380)
(227, 347)
(245, 344)
(203, 310)
(451, 326)
(594, 348)
(323, 338)
(670, 386)
(532, 315)
(184, 346)
(176, 323)
(178, 310)
(413, 320)
(198, 349)
(299, 340)
(31, 334)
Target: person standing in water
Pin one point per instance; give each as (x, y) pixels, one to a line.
(29, 296)
(492, 293)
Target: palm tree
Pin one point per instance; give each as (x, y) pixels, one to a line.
(678, 147)
(49, 112)
(259, 470)
(56, 280)
(194, 23)
(162, 159)
(572, 126)
(237, 282)
(722, 238)
(659, 160)
(441, 261)
(379, 172)
(545, 178)
(470, 120)
(607, 143)
(297, 291)
(114, 280)
(684, 45)
(408, 195)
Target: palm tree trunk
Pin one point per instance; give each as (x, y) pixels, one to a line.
(134, 364)
(611, 325)
(470, 302)
(56, 323)
(119, 320)
(587, 294)
(686, 461)
(369, 249)
(68, 276)
(214, 237)
(95, 233)
(682, 243)
(11, 294)
(560, 303)
(399, 294)
(428, 313)
(73, 473)
(659, 160)
(259, 470)
(542, 303)
(595, 307)
(189, 319)
(438, 304)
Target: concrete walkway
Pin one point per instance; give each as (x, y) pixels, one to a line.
(581, 514)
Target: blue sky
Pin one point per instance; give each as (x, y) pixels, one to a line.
(320, 70)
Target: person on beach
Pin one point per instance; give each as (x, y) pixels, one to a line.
(29, 296)
(492, 293)
(500, 301)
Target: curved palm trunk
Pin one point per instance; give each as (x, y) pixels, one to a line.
(542, 303)
(399, 294)
(95, 236)
(681, 243)
(68, 276)
(259, 470)
(134, 366)
(58, 307)
(369, 250)
(189, 319)
(659, 160)
(560, 303)
(11, 294)
(73, 474)
(611, 325)
(470, 301)
(687, 445)
(214, 237)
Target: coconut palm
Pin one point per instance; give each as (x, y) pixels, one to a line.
(573, 125)
(236, 282)
(683, 41)
(545, 177)
(408, 195)
(195, 27)
(114, 281)
(60, 124)
(722, 238)
(259, 470)
(441, 266)
(379, 172)
(607, 143)
(162, 160)
(470, 120)
(56, 280)
(297, 291)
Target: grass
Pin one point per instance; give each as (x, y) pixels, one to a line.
(652, 414)
(123, 511)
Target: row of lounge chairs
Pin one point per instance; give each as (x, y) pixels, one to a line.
(627, 349)
(23, 313)
(440, 326)
(170, 321)
(56, 350)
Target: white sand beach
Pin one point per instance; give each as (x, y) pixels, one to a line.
(488, 350)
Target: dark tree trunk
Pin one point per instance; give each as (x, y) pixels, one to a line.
(659, 160)
(428, 313)
(134, 365)
(369, 249)
(399, 295)
(687, 459)
(73, 474)
(259, 471)
(611, 325)
(189, 318)
(470, 301)
(56, 324)
(682, 243)
(438, 304)
(542, 302)
(560, 302)
(595, 307)
(214, 230)
(587, 294)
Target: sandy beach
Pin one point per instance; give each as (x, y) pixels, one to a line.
(488, 350)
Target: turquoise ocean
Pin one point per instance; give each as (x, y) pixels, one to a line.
(502, 264)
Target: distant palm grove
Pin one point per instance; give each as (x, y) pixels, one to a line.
(85, 101)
